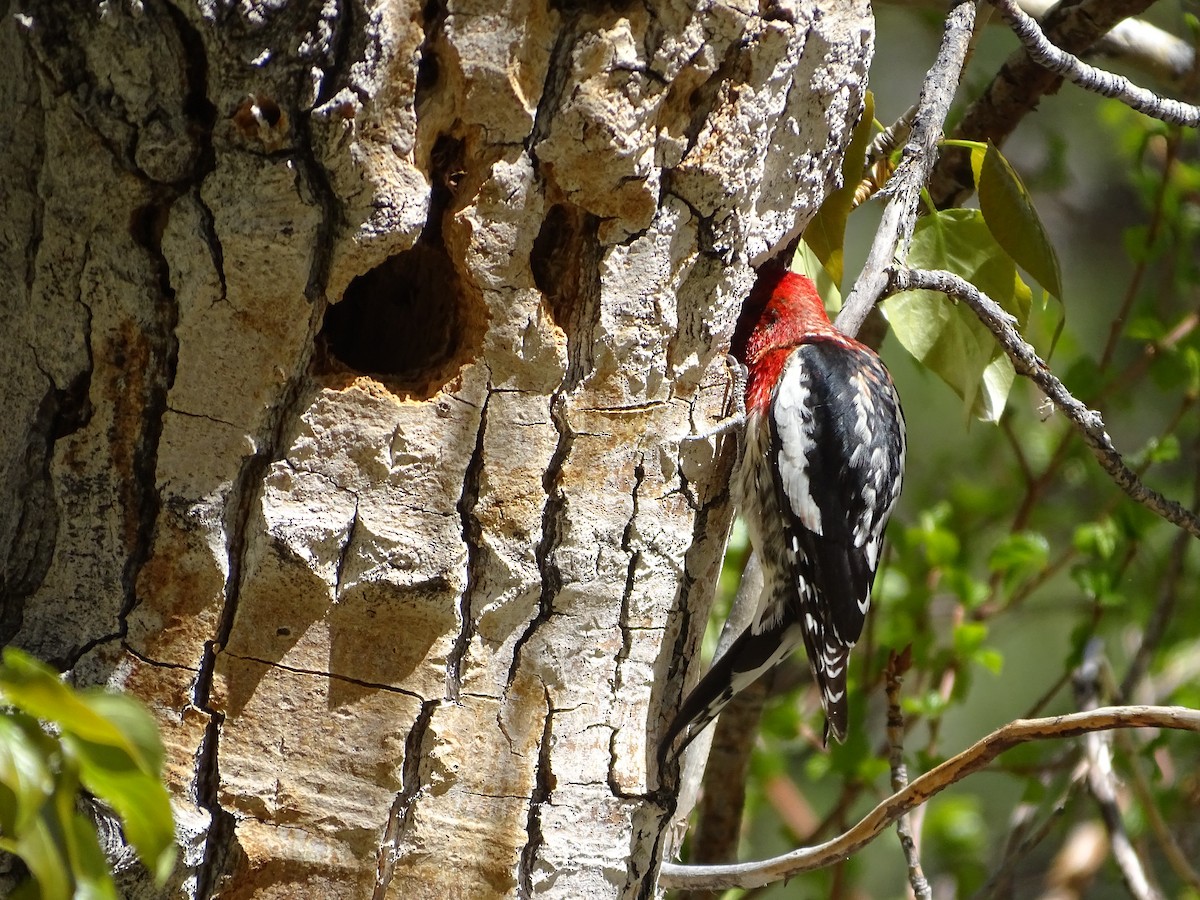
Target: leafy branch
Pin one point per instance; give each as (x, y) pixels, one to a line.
(1025, 360)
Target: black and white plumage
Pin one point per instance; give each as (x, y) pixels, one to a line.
(820, 472)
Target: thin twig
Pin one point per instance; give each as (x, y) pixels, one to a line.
(1139, 270)
(1133, 42)
(973, 759)
(1026, 362)
(1174, 854)
(1023, 838)
(1090, 78)
(920, 153)
(1101, 778)
(896, 667)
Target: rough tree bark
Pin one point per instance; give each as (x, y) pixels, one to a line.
(348, 353)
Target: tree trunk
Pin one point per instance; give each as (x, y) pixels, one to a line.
(349, 354)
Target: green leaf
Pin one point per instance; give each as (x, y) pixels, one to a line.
(957, 822)
(930, 704)
(805, 262)
(136, 795)
(992, 660)
(92, 878)
(1097, 538)
(1010, 215)
(968, 638)
(826, 232)
(41, 850)
(36, 689)
(970, 591)
(1146, 328)
(948, 338)
(1157, 450)
(88, 867)
(26, 782)
(1022, 553)
(997, 381)
(109, 744)
(136, 725)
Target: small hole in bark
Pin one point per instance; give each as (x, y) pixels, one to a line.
(428, 71)
(270, 110)
(411, 322)
(447, 163)
(556, 259)
(565, 263)
(147, 224)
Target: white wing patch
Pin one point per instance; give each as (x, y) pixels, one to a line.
(793, 422)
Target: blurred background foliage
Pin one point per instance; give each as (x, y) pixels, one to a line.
(1012, 554)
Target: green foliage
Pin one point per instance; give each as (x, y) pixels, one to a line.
(956, 829)
(948, 339)
(55, 741)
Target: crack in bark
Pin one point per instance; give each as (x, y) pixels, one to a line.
(240, 506)
(343, 30)
(542, 789)
(30, 553)
(323, 243)
(344, 550)
(221, 824)
(635, 559)
(472, 533)
(212, 240)
(163, 351)
(318, 673)
(400, 816)
(552, 514)
(157, 663)
(207, 418)
(552, 89)
(613, 786)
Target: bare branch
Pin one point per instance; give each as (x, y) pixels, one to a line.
(1164, 607)
(920, 153)
(1025, 360)
(973, 759)
(1090, 78)
(1133, 42)
(1024, 835)
(723, 800)
(1019, 86)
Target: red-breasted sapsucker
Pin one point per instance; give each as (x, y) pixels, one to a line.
(821, 467)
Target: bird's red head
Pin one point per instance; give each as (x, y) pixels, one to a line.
(783, 311)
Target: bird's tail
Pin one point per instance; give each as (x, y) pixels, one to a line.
(747, 659)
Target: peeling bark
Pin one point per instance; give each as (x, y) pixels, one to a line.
(350, 353)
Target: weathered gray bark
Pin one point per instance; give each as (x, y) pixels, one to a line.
(348, 353)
